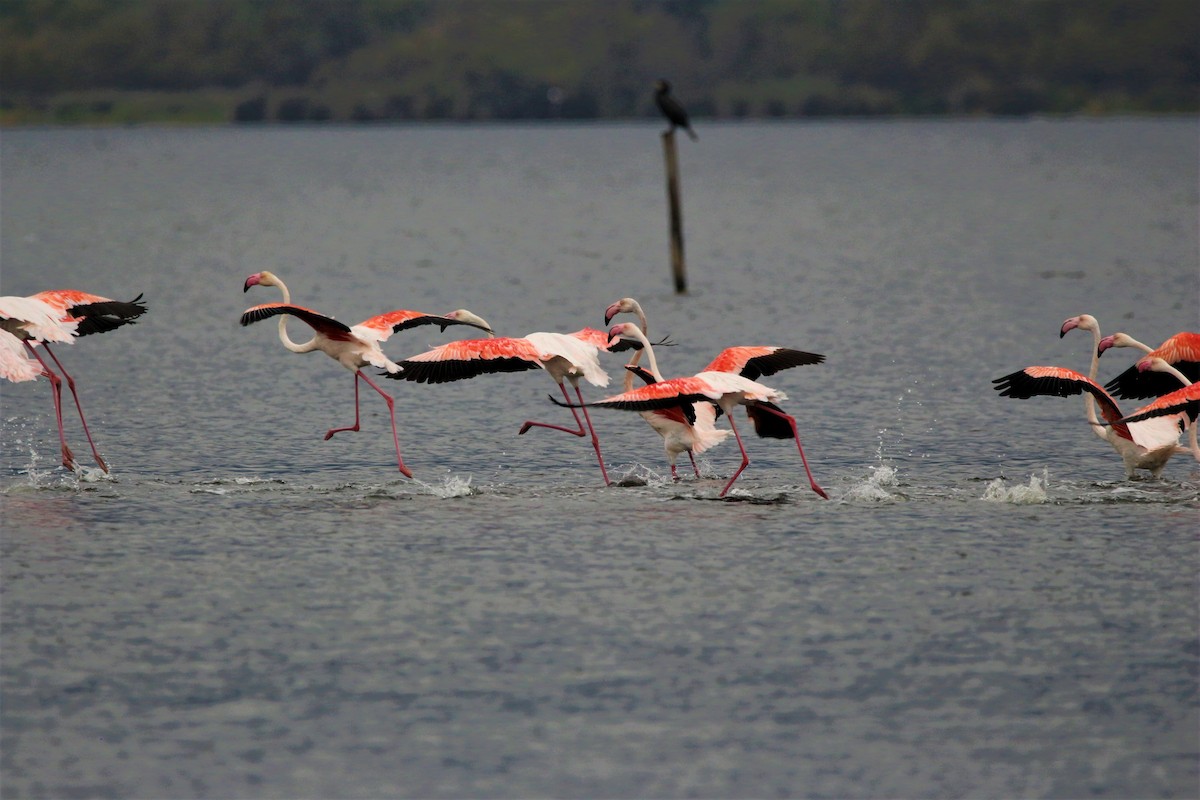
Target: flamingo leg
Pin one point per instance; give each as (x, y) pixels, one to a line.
(595, 438)
(354, 427)
(579, 432)
(694, 467)
(391, 404)
(578, 422)
(68, 458)
(745, 458)
(78, 407)
(792, 421)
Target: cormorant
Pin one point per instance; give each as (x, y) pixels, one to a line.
(671, 109)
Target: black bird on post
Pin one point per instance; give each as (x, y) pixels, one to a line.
(671, 108)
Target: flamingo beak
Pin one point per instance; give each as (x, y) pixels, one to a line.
(1105, 343)
(251, 281)
(611, 312)
(1143, 365)
(1069, 325)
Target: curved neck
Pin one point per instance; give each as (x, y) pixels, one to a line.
(1162, 366)
(295, 347)
(641, 337)
(637, 356)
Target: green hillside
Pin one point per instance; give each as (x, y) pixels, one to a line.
(122, 61)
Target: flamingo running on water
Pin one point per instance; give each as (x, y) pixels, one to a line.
(729, 381)
(351, 346)
(58, 315)
(1183, 402)
(684, 429)
(566, 357)
(1147, 444)
(1181, 351)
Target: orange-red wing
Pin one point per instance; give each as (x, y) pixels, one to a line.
(754, 362)
(1060, 382)
(1186, 399)
(456, 361)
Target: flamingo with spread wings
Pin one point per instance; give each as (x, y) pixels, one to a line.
(728, 381)
(565, 357)
(354, 347)
(58, 315)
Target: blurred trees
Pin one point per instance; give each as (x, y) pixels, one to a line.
(486, 59)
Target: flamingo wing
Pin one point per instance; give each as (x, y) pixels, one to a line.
(671, 393)
(1060, 382)
(1185, 400)
(328, 327)
(95, 314)
(468, 358)
(30, 318)
(380, 327)
(1181, 351)
(14, 365)
(754, 362)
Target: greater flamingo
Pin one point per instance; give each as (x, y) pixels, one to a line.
(566, 357)
(1147, 444)
(59, 315)
(1181, 351)
(352, 347)
(1185, 402)
(684, 429)
(727, 382)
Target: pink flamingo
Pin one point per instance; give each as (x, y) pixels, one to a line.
(352, 347)
(1182, 351)
(684, 429)
(1147, 444)
(59, 315)
(727, 382)
(566, 357)
(1183, 403)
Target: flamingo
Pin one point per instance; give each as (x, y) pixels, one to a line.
(1181, 351)
(1185, 401)
(566, 357)
(58, 315)
(352, 347)
(684, 429)
(728, 381)
(1146, 444)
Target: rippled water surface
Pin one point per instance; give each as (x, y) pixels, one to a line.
(984, 608)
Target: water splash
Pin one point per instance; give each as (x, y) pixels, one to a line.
(1032, 494)
(451, 486)
(875, 488)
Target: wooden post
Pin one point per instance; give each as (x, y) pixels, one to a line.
(678, 267)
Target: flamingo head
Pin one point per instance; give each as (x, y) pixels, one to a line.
(1085, 322)
(263, 278)
(470, 318)
(626, 305)
(1154, 364)
(619, 330)
(1118, 339)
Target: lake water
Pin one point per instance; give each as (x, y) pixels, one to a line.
(985, 608)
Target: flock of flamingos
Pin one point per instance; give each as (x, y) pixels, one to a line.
(684, 411)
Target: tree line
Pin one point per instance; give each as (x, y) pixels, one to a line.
(343, 60)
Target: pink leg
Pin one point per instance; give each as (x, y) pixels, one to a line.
(745, 458)
(791, 421)
(578, 422)
(354, 427)
(391, 404)
(68, 459)
(694, 467)
(579, 432)
(74, 394)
